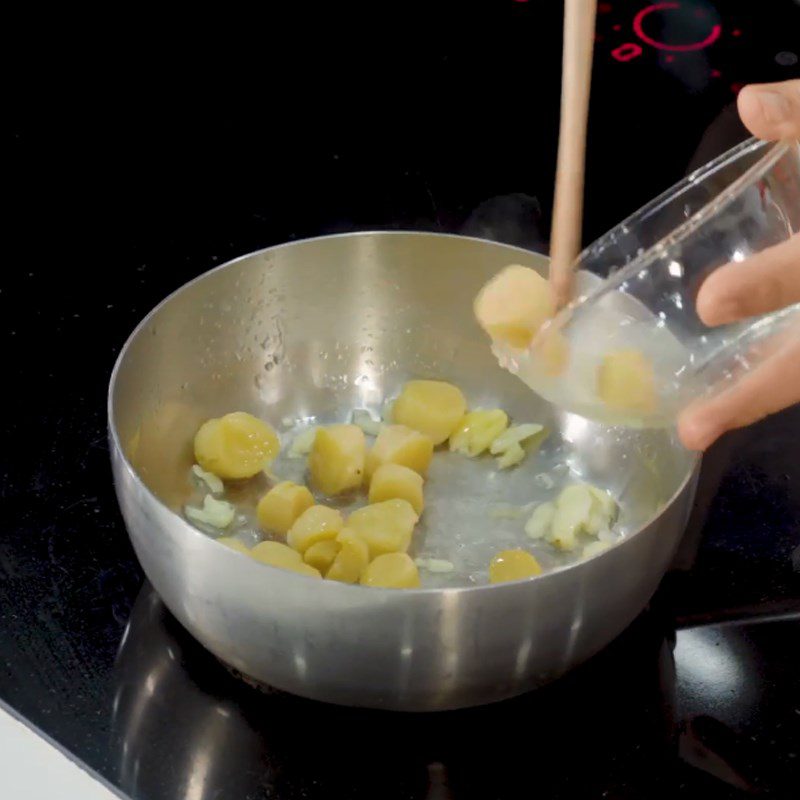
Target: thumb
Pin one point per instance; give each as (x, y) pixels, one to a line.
(771, 110)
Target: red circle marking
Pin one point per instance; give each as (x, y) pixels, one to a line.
(677, 48)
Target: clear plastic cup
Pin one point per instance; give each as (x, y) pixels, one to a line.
(630, 349)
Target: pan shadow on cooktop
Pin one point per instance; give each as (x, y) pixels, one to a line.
(184, 726)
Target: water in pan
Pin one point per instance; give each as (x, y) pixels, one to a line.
(473, 509)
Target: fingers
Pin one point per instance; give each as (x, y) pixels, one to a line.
(764, 282)
(771, 110)
(770, 387)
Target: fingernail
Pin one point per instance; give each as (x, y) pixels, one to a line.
(774, 106)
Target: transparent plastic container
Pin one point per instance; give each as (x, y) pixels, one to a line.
(630, 348)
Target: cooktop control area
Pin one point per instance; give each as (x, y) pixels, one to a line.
(665, 74)
(145, 151)
(698, 42)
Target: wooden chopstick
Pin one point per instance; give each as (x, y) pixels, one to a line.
(565, 234)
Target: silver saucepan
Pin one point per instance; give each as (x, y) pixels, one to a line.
(321, 327)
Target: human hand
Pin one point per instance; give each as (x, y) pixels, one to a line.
(765, 282)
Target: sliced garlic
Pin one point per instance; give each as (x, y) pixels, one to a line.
(434, 564)
(508, 445)
(573, 508)
(477, 430)
(593, 548)
(302, 444)
(216, 513)
(215, 484)
(511, 457)
(539, 525)
(606, 535)
(364, 420)
(516, 434)
(582, 509)
(603, 513)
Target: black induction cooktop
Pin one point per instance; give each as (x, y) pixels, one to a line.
(144, 149)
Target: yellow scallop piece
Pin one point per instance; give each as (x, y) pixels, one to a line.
(278, 509)
(235, 446)
(321, 555)
(626, 382)
(276, 554)
(314, 525)
(398, 444)
(234, 544)
(391, 571)
(434, 408)
(386, 527)
(351, 560)
(513, 305)
(337, 459)
(305, 569)
(393, 482)
(513, 565)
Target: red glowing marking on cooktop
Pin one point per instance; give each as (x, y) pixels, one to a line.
(712, 37)
(604, 8)
(669, 59)
(715, 73)
(616, 27)
(736, 32)
(627, 51)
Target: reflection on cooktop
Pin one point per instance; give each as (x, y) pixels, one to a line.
(663, 715)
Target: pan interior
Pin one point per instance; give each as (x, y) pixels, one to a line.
(305, 333)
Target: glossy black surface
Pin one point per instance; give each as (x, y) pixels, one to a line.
(144, 151)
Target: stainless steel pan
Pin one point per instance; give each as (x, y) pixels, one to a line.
(321, 327)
